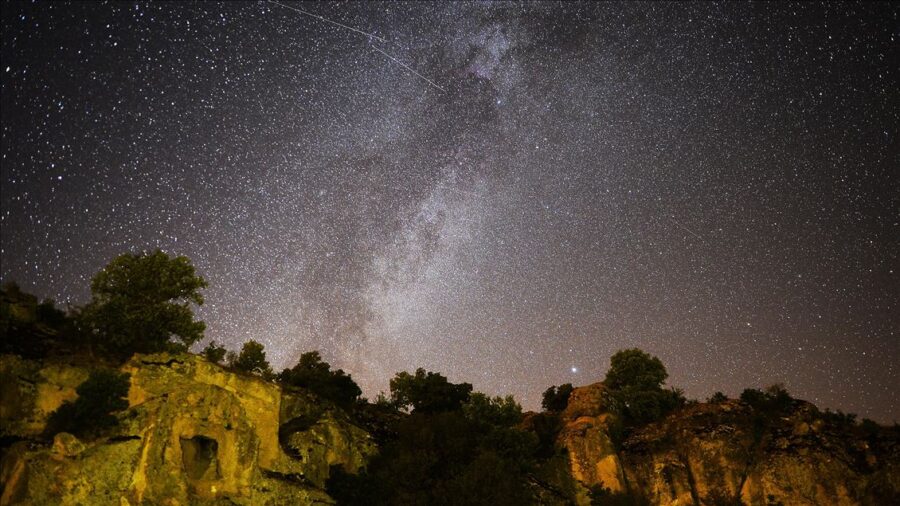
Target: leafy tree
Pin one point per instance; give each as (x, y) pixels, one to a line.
(315, 375)
(428, 392)
(556, 399)
(103, 393)
(214, 352)
(252, 359)
(635, 369)
(634, 382)
(142, 302)
(497, 411)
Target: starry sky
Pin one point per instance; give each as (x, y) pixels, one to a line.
(504, 193)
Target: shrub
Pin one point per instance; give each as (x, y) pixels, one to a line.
(214, 352)
(314, 374)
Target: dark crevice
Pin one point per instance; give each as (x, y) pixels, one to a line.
(120, 439)
(26, 380)
(288, 477)
(167, 363)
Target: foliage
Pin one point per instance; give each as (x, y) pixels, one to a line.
(141, 302)
(427, 392)
(556, 398)
(635, 369)
(443, 458)
(717, 398)
(31, 328)
(214, 352)
(314, 374)
(103, 393)
(497, 411)
(252, 359)
(634, 384)
(775, 399)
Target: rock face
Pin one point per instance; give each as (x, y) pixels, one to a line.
(194, 433)
(719, 454)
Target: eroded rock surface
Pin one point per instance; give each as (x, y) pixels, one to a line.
(194, 433)
(718, 454)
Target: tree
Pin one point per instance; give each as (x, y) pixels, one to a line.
(497, 411)
(428, 392)
(103, 393)
(142, 302)
(315, 375)
(717, 398)
(556, 399)
(634, 368)
(252, 359)
(214, 352)
(634, 382)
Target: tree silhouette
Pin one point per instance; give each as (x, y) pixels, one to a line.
(428, 392)
(142, 302)
(252, 359)
(315, 375)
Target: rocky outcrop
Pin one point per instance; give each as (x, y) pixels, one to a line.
(194, 433)
(725, 454)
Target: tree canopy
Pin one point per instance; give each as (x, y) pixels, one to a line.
(142, 303)
(427, 392)
(315, 375)
(555, 399)
(252, 359)
(634, 382)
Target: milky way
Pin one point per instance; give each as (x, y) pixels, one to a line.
(713, 183)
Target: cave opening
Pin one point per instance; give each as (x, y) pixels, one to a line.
(199, 455)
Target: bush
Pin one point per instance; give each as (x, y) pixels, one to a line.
(103, 393)
(556, 399)
(252, 359)
(315, 375)
(717, 398)
(214, 352)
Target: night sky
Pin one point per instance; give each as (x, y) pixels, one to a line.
(504, 193)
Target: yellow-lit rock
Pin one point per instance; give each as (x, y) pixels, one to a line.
(194, 433)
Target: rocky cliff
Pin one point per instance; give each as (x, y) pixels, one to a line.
(726, 454)
(194, 433)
